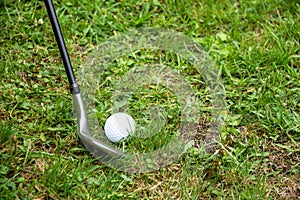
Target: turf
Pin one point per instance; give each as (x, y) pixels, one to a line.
(255, 44)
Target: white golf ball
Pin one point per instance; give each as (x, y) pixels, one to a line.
(119, 126)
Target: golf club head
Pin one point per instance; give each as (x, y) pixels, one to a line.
(97, 148)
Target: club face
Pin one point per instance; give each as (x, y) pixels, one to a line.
(96, 147)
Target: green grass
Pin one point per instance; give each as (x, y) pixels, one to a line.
(255, 44)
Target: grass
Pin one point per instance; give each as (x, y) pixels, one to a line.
(255, 44)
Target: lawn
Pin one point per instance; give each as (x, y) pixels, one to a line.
(255, 47)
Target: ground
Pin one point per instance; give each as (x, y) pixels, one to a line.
(255, 47)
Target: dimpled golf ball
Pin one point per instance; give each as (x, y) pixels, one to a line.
(119, 126)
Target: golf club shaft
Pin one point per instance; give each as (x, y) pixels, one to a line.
(62, 47)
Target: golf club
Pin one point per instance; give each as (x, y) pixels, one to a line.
(97, 148)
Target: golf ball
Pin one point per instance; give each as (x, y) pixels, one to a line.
(119, 126)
